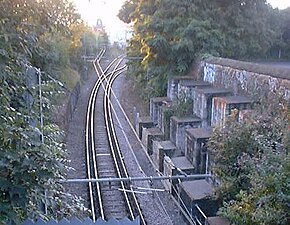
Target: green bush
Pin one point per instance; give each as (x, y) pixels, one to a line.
(251, 159)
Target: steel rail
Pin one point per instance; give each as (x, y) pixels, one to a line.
(110, 131)
(114, 142)
(126, 174)
(121, 170)
(92, 171)
(102, 76)
(89, 145)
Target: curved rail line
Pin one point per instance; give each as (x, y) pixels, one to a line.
(103, 156)
(122, 171)
(90, 146)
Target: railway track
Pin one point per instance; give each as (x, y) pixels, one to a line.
(103, 156)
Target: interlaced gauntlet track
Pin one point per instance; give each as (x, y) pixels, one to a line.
(103, 156)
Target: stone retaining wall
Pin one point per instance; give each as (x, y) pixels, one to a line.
(254, 80)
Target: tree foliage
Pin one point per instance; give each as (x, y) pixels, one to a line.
(43, 34)
(251, 159)
(285, 34)
(169, 35)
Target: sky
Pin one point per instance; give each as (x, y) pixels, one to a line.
(107, 10)
(281, 4)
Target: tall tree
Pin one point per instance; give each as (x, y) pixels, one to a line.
(170, 35)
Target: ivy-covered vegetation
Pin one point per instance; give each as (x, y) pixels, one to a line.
(251, 159)
(49, 35)
(169, 35)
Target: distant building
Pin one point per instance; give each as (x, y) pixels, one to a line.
(99, 28)
(102, 38)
